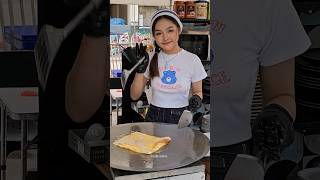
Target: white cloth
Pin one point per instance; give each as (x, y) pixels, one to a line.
(256, 32)
(171, 89)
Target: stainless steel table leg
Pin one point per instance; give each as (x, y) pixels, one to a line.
(110, 110)
(117, 109)
(3, 143)
(23, 148)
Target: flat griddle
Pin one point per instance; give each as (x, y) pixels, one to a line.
(186, 147)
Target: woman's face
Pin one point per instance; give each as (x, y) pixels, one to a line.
(166, 34)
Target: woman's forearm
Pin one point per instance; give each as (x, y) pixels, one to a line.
(137, 86)
(278, 85)
(197, 89)
(86, 82)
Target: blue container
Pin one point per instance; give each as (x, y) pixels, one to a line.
(117, 21)
(116, 72)
(24, 33)
(24, 45)
(21, 37)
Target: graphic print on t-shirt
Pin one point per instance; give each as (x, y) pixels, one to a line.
(169, 77)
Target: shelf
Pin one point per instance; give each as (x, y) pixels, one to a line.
(14, 50)
(142, 2)
(195, 21)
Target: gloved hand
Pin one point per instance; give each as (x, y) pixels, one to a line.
(140, 53)
(76, 3)
(129, 57)
(96, 23)
(197, 108)
(272, 131)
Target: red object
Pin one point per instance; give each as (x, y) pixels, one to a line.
(29, 93)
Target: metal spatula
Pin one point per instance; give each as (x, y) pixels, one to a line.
(50, 39)
(245, 167)
(185, 119)
(126, 73)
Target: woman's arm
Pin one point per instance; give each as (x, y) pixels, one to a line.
(137, 86)
(197, 88)
(86, 82)
(278, 85)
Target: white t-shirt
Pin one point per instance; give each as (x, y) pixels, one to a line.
(256, 32)
(177, 72)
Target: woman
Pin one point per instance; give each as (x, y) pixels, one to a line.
(75, 94)
(172, 71)
(264, 41)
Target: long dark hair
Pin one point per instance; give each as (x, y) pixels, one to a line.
(154, 69)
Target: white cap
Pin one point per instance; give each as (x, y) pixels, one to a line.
(166, 12)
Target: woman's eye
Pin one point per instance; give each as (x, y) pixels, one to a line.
(157, 34)
(170, 30)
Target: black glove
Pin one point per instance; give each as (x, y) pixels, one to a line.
(76, 3)
(140, 53)
(129, 57)
(197, 109)
(272, 131)
(96, 23)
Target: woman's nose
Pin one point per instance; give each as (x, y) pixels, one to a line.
(165, 36)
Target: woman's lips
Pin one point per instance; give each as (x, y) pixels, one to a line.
(166, 43)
